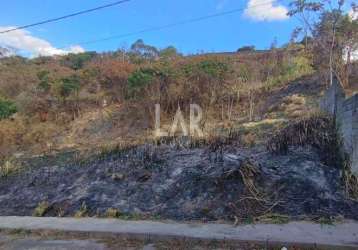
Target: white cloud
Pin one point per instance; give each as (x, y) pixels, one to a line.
(353, 55)
(22, 40)
(353, 14)
(264, 10)
(6, 52)
(76, 49)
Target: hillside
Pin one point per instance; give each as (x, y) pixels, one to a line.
(84, 100)
(77, 137)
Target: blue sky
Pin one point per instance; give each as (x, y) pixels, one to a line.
(257, 26)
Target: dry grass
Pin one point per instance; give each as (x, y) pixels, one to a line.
(112, 213)
(11, 132)
(350, 181)
(319, 131)
(41, 209)
(255, 204)
(82, 212)
(272, 218)
(9, 167)
(214, 140)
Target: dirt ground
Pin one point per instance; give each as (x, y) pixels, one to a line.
(164, 182)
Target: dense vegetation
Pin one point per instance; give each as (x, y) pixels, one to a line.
(7, 108)
(87, 99)
(50, 94)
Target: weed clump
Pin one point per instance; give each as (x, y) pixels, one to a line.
(350, 181)
(41, 209)
(319, 131)
(255, 204)
(82, 212)
(9, 167)
(112, 213)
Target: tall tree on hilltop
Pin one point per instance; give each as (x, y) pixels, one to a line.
(331, 29)
(140, 49)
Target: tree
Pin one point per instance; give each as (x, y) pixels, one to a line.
(204, 80)
(44, 84)
(250, 48)
(7, 108)
(139, 79)
(349, 39)
(322, 20)
(274, 44)
(66, 86)
(142, 50)
(111, 74)
(77, 61)
(122, 53)
(169, 53)
(345, 41)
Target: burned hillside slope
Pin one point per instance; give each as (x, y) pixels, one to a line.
(184, 184)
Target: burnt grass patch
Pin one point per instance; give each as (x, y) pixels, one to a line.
(206, 182)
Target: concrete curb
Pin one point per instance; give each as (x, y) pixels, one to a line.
(306, 233)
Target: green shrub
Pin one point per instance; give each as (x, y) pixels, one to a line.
(7, 108)
(67, 86)
(44, 86)
(298, 66)
(169, 53)
(139, 79)
(77, 61)
(212, 68)
(249, 48)
(44, 78)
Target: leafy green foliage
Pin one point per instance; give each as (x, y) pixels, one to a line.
(7, 108)
(333, 33)
(77, 61)
(246, 49)
(140, 79)
(53, 92)
(44, 78)
(169, 53)
(298, 66)
(143, 51)
(67, 86)
(212, 68)
(289, 70)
